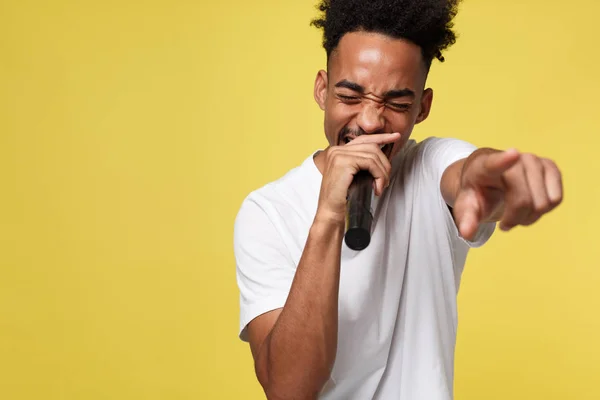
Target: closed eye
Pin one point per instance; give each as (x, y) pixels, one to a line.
(348, 99)
(399, 106)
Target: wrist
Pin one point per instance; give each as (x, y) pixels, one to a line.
(330, 219)
(328, 226)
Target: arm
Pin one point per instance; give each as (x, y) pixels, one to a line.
(295, 357)
(507, 186)
(294, 347)
(451, 181)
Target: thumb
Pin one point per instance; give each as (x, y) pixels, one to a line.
(467, 214)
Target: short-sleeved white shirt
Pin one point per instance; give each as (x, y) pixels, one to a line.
(397, 298)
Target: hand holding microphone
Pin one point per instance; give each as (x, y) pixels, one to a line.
(350, 174)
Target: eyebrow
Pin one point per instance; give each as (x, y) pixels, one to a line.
(394, 93)
(344, 83)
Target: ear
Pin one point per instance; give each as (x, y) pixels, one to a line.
(321, 89)
(426, 101)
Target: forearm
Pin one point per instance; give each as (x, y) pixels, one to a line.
(450, 182)
(297, 356)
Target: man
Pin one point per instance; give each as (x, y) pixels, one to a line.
(324, 321)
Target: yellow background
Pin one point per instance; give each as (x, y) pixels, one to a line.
(130, 132)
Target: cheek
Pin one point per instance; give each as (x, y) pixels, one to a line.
(402, 123)
(336, 117)
(341, 113)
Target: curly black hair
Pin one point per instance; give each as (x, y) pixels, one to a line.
(427, 23)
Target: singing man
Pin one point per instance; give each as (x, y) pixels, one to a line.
(324, 321)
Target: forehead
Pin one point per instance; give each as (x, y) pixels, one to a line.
(377, 62)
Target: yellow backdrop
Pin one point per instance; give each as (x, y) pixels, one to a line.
(130, 132)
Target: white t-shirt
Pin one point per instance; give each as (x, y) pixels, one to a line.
(397, 298)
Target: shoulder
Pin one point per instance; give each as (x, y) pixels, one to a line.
(431, 156)
(432, 147)
(276, 199)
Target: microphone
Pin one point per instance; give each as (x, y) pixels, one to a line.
(358, 211)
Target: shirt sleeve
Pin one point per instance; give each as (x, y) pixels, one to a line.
(264, 269)
(437, 155)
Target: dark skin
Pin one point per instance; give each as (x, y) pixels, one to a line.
(374, 85)
(372, 96)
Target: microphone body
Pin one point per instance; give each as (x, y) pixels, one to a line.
(358, 211)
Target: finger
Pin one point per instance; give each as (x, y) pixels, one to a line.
(378, 187)
(374, 149)
(468, 225)
(499, 162)
(553, 181)
(534, 170)
(353, 163)
(371, 163)
(518, 203)
(467, 214)
(377, 138)
(375, 154)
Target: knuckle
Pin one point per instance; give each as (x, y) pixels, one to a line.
(514, 173)
(529, 156)
(332, 155)
(336, 159)
(532, 159)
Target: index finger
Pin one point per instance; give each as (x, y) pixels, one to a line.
(377, 138)
(497, 163)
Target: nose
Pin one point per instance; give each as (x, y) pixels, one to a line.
(370, 118)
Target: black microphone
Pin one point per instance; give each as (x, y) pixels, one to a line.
(358, 211)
